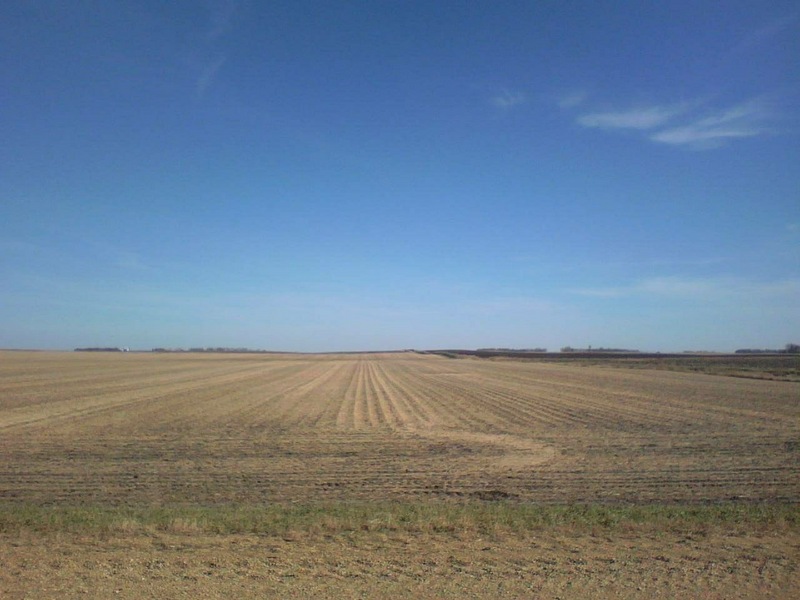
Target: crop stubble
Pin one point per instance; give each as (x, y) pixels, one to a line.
(142, 429)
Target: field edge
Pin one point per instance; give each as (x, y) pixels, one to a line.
(351, 517)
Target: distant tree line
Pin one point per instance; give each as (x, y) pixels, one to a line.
(788, 349)
(93, 349)
(601, 349)
(511, 350)
(218, 349)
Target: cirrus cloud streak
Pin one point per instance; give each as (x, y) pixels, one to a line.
(638, 118)
(688, 125)
(701, 288)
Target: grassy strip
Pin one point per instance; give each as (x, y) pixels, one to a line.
(339, 518)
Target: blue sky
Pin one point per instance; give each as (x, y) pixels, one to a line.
(315, 176)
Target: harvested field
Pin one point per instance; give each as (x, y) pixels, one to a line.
(553, 564)
(138, 429)
(153, 475)
(776, 367)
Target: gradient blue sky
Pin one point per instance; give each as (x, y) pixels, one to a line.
(372, 175)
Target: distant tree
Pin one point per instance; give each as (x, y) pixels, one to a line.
(792, 349)
(93, 349)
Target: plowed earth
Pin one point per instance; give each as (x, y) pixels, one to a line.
(133, 429)
(542, 565)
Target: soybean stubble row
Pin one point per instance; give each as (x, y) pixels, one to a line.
(143, 429)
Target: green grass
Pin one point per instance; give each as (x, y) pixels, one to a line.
(489, 518)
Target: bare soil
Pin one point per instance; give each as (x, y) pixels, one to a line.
(133, 429)
(127, 430)
(550, 564)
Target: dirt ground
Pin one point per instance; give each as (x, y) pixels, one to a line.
(143, 430)
(547, 564)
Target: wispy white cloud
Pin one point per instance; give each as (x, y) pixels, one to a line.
(690, 125)
(701, 288)
(18, 246)
(637, 118)
(511, 305)
(208, 74)
(507, 99)
(767, 31)
(207, 59)
(130, 261)
(221, 16)
(741, 121)
(572, 99)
